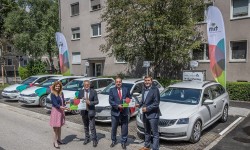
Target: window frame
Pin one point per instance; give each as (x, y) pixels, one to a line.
(76, 14)
(99, 30)
(8, 61)
(231, 52)
(74, 54)
(241, 17)
(74, 33)
(206, 47)
(91, 7)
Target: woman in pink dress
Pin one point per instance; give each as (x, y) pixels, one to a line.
(57, 116)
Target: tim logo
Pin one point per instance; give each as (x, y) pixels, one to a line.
(213, 27)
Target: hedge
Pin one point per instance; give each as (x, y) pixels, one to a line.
(239, 91)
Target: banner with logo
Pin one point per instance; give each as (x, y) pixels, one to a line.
(217, 46)
(63, 53)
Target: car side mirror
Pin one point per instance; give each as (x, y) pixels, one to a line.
(36, 84)
(208, 102)
(99, 91)
(136, 94)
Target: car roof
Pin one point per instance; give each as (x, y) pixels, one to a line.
(193, 84)
(65, 77)
(91, 78)
(134, 80)
(45, 75)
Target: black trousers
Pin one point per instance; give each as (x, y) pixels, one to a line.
(89, 123)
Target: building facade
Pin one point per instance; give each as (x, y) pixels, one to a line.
(236, 15)
(84, 31)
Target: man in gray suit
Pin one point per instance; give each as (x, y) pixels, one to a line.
(88, 115)
(151, 112)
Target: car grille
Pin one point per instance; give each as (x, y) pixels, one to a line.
(166, 122)
(98, 109)
(102, 118)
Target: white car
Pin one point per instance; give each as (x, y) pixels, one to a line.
(72, 89)
(188, 108)
(12, 92)
(103, 109)
(36, 95)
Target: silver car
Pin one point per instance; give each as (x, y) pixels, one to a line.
(188, 108)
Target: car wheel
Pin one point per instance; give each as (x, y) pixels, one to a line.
(75, 112)
(141, 136)
(196, 132)
(224, 116)
(42, 101)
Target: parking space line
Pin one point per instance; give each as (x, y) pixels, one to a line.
(230, 126)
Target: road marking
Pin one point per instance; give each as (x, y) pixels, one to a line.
(230, 126)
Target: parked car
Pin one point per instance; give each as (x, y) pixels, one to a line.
(12, 92)
(188, 108)
(72, 89)
(37, 95)
(103, 109)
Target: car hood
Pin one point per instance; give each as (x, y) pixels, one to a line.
(175, 110)
(69, 94)
(11, 87)
(30, 90)
(103, 100)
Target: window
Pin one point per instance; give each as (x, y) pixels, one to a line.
(120, 60)
(40, 80)
(240, 8)
(93, 84)
(9, 62)
(74, 9)
(103, 83)
(138, 88)
(96, 30)
(95, 5)
(76, 58)
(201, 53)
(9, 49)
(238, 50)
(75, 33)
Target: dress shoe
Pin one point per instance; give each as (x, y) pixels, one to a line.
(123, 146)
(113, 144)
(57, 147)
(86, 141)
(94, 143)
(60, 142)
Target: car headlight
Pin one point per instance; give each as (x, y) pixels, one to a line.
(33, 95)
(183, 121)
(14, 91)
(108, 107)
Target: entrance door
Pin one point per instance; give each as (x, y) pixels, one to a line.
(98, 69)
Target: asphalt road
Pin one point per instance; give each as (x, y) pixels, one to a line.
(208, 136)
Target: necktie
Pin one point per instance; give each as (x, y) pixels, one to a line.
(119, 93)
(87, 98)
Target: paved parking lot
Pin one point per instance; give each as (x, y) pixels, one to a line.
(208, 136)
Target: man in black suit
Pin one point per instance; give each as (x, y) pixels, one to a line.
(151, 112)
(118, 112)
(88, 115)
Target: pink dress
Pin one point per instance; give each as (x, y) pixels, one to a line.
(57, 117)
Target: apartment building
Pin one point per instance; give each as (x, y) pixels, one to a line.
(236, 15)
(84, 31)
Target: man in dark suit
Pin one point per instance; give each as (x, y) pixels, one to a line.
(88, 115)
(118, 112)
(151, 112)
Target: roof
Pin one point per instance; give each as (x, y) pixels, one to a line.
(45, 75)
(192, 84)
(65, 77)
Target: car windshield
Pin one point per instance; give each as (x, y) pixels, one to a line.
(48, 82)
(111, 85)
(74, 85)
(29, 80)
(181, 95)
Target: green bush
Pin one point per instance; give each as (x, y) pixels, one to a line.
(239, 90)
(23, 72)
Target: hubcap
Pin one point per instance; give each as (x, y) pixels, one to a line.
(43, 101)
(225, 113)
(197, 131)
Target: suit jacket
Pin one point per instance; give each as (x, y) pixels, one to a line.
(93, 101)
(152, 103)
(114, 101)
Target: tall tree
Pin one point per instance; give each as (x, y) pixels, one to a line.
(160, 31)
(32, 27)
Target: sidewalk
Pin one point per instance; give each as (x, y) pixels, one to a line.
(72, 132)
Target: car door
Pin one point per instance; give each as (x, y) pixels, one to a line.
(207, 111)
(218, 99)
